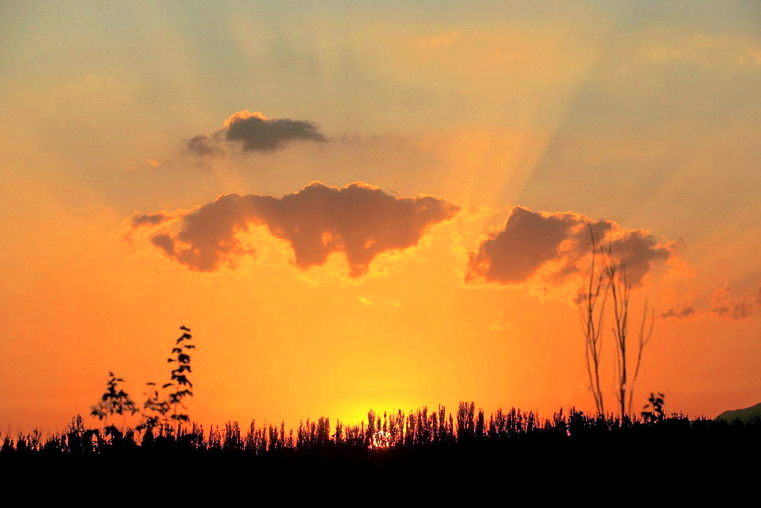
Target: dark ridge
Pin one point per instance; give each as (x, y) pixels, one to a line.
(745, 415)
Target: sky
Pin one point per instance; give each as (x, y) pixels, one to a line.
(360, 205)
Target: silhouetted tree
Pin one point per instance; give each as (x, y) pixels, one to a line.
(620, 290)
(592, 309)
(611, 282)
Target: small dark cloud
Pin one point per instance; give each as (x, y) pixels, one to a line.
(555, 246)
(683, 313)
(253, 132)
(359, 220)
(256, 132)
(737, 308)
(148, 219)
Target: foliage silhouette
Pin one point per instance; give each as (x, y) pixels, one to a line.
(159, 408)
(113, 401)
(653, 412)
(180, 383)
(154, 409)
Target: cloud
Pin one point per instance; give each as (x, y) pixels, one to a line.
(148, 219)
(683, 313)
(257, 132)
(359, 221)
(165, 242)
(721, 304)
(553, 248)
(737, 308)
(253, 132)
(204, 146)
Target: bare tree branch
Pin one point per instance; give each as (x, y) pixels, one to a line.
(591, 321)
(611, 281)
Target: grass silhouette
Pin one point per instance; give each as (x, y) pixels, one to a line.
(421, 447)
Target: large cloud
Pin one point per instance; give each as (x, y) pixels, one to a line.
(551, 248)
(359, 220)
(253, 132)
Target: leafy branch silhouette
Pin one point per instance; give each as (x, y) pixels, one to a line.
(180, 382)
(653, 410)
(113, 401)
(154, 410)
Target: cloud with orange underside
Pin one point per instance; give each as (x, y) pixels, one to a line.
(359, 221)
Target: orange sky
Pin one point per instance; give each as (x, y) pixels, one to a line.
(483, 139)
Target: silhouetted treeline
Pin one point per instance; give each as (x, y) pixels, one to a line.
(425, 445)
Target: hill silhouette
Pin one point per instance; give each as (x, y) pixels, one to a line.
(745, 415)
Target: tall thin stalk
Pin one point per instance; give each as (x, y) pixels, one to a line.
(591, 312)
(620, 290)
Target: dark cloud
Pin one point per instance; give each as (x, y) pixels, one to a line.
(148, 219)
(358, 220)
(556, 246)
(723, 305)
(683, 313)
(254, 132)
(204, 146)
(257, 132)
(165, 242)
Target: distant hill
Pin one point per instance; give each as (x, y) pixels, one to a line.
(744, 415)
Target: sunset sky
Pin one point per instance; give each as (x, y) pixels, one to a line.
(360, 205)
